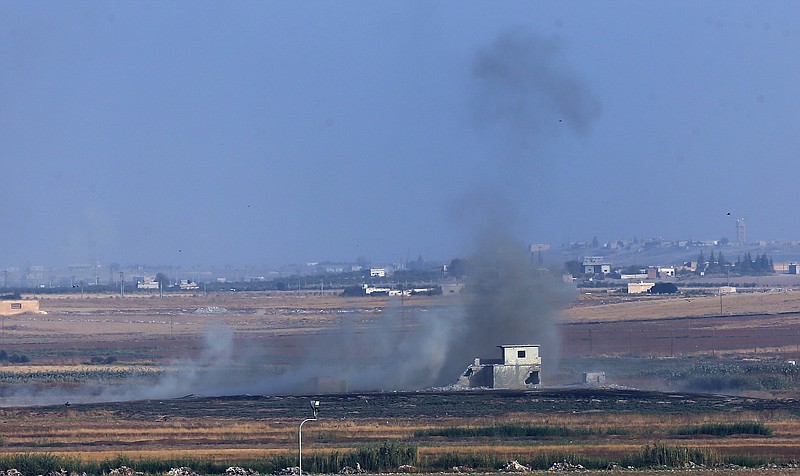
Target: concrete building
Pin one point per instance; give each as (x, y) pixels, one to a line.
(741, 231)
(639, 288)
(11, 307)
(519, 369)
(596, 265)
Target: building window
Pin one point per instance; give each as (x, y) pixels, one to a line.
(520, 354)
(16, 305)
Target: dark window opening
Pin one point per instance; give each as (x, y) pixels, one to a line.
(533, 378)
(520, 354)
(16, 305)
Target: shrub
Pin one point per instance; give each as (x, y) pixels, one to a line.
(726, 429)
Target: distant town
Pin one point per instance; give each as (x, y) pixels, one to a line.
(633, 265)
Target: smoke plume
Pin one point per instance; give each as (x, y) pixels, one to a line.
(525, 89)
(523, 92)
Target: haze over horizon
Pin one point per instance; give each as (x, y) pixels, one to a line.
(204, 133)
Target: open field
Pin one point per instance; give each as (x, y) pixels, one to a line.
(648, 343)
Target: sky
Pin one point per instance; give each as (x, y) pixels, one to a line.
(267, 133)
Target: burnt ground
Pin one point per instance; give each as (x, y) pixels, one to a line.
(429, 405)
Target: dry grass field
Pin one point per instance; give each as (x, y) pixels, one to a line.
(146, 334)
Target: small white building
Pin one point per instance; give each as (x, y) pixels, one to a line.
(666, 271)
(377, 272)
(640, 287)
(519, 369)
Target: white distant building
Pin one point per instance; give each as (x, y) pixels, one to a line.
(639, 288)
(148, 282)
(666, 271)
(377, 272)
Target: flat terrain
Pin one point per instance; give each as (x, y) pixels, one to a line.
(646, 343)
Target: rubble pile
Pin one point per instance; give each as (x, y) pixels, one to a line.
(406, 468)
(288, 471)
(566, 466)
(125, 471)
(239, 471)
(182, 471)
(10, 472)
(352, 470)
(210, 310)
(514, 467)
(461, 469)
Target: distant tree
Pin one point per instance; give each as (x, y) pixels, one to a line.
(573, 267)
(162, 280)
(354, 291)
(595, 243)
(633, 269)
(664, 288)
(457, 268)
(724, 241)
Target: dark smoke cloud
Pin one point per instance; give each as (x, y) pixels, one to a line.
(524, 87)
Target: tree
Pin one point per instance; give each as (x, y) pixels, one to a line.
(162, 280)
(595, 243)
(457, 268)
(663, 288)
(573, 267)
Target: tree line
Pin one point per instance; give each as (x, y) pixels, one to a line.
(744, 265)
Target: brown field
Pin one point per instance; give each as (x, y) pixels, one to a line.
(144, 332)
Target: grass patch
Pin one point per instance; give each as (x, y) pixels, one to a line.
(725, 429)
(515, 431)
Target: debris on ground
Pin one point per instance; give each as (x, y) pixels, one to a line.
(566, 466)
(352, 470)
(461, 469)
(182, 471)
(514, 467)
(210, 310)
(239, 471)
(288, 471)
(124, 471)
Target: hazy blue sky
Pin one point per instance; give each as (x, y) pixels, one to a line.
(213, 133)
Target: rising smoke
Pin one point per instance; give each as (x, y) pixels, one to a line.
(522, 90)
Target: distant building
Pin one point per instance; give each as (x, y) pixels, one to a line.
(666, 271)
(794, 268)
(639, 288)
(741, 231)
(377, 272)
(452, 288)
(596, 265)
(727, 290)
(594, 378)
(188, 284)
(12, 307)
(148, 282)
